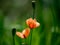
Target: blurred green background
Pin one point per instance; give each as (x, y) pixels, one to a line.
(13, 14)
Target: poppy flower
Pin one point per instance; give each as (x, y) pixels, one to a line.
(32, 23)
(24, 34)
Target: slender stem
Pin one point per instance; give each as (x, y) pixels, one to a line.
(33, 13)
(13, 41)
(31, 36)
(33, 5)
(13, 35)
(23, 42)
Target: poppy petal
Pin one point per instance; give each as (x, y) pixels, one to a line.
(26, 32)
(19, 34)
(37, 24)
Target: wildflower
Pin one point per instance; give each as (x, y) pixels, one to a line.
(32, 23)
(24, 34)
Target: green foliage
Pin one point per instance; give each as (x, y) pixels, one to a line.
(13, 15)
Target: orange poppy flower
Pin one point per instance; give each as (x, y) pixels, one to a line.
(24, 34)
(32, 23)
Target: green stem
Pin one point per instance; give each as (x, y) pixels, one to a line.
(13, 35)
(31, 36)
(33, 5)
(33, 13)
(23, 42)
(13, 41)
